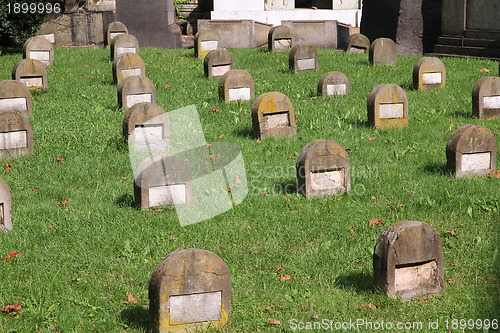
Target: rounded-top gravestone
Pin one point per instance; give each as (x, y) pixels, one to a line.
(272, 116)
(136, 89)
(429, 73)
(357, 43)
(150, 127)
(114, 29)
(5, 207)
(332, 84)
(280, 39)
(40, 49)
(205, 40)
(303, 58)
(387, 107)
(16, 135)
(31, 72)
(486, 97)
(15, 96)
(123, 43)
(217, 63)
(127, 64)
(383, 51)
(236, 85)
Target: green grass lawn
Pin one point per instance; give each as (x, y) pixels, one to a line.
(84, 246)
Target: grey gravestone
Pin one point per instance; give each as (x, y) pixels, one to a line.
(357, 43)
(136, 89)
(16, 135)
(387, 107)
(471, 150)
(486, 97)
(280, 39)
(322, 34)
(303, 58)
(5, 207)
(126, 65)
(429, 73)
(238, 33)
(114, 29)
(272, 116)
(40, 49)
(31, 72)
(123, 43)
(79, 29)
(217, 63)
(149, 123)
(151, 24)
(323, 169)
(15, 96)
(333, 84)
(383, 51)
(48, 31)
(236, 85)
(205, 41)
(408, 261)
(189, 291)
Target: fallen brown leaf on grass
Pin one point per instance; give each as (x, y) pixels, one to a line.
(287, 199)
(273, 321)
(491, 118)
(278, 270)
(351, 229)
(368, 306)
(167, 86)
(373, 197)
(214, 110)
(12, 255)
(494, 174)
(285, 278)
(485, 70)
(12, 308)
(64, 203)
(34, 190)
(371, 139)
(220, 136)
(8, 167)
(292, 157)
(294, 211)
(375, 222)
(130, 299)
(451, 233)
(268, 308)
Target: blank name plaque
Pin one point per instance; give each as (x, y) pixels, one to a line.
(491, 102)
(391, 110)
(336, 89)
(133, 99)
(357, 49)
(323, 180)
(304, 64)
(147, 134)
(209, 45)
(274, 120)
(236, 94)
(432, 78)
(114, 34)
(195, 308)
(12, 140)
(476, 161)
(13, 104)
(131, 72)
(50, 37)
(32, 81)
(43, 56)
(407, 277)
(167, 195)
(283, 43)
(219, 70)
(120, 50)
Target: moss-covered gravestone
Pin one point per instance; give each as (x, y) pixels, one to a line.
(217, 63)
(280, 39)
(15, 96)
(127, 64)
(40, 49)
(387, 106)
(189, 291)
(136, 89)
(303, 58)
(383, 51)
(5, 207)
(147, 126)
(114, 29)
(205, 41)
(16, 135)
(31, 72)
(486, 97)
(333, 84)
(272, 116)
(429, 73)
(408, 261)
(357, 43)
(236, 85)
(123, 43)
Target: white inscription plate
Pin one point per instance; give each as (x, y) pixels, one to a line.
(336, 89)
(432, 78)
(13, 104)
(133, 99)
(50, 37)
(32, 81)
(167, 195)
(282, 43)
(120, 50)
(195, 308)
(131, 72)
(274, 120)
(220, 70)
(148, 134)
(11, 140)
(476, 161)
(357, 49)
(491, 102)
(209, 45)
(389, 110)
(242, 94)
(43, 56)
(305, 64)
(413, 277)
(327, 180)
(114, 34)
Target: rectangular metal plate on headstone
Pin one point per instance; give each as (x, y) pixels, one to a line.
(391, 110)
(242, 94)
(13, 104)
(283, 43)
(415, 276)
(432, 78)
(305, 64)
(195, 308)
(32, 81)
(148, 134)
(336, 89)
(220, 70)
(114, 34)
(133, 99)
(120, 50)
(491, 102)
(274, 120)
(209, 45)
(327, 179)
(50, 37)
(476, 161)
(11, 140)
(131, 72)
(167, 195)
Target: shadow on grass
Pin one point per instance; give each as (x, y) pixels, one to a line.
(136, 317)
(435, 168)
(288, 187)
(359, 282)
(246, 132)
(464, 114)
(407, 86)
(360, 123)
(126, 200)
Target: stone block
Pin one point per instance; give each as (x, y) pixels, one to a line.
(15, 96)
(387, 107)
(333, 84)
(16, 135)
(5, 207)
(128, 64)
(486, 98)
(471, 150)
(429, 73)
(114, 29)
(40, 49)
(280, 39)
(48, 31)
(323, 169)
(79, 29)
(238, 34)
(136, 89)
(272, 116)
(236, 85)
(150, 127)
(408, 261)
(303, 58)
(31, 72)
(217, 63)
(316, 33)
(357, 43)
(123, 43)
(383, 51)
(205, 41)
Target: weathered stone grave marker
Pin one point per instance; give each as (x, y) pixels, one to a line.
(189, 290)
(15, 96)
(127, 64)
(471, 150)
(48, 32)
(303, 58)
(357, 43)
(40, 49)
(150, 127)
(332, 84)
(236, 85)
(280, 39)
(123, 43)
(429, 73)
(408, 261)
(217, 63)
(387, 107)
(31, 72)
(16, 135)
(205, 41)
(272, 116)
(5, 207)
(136, 89)
(486, 97)
(383, 51)
(323, 169)
(114, 29)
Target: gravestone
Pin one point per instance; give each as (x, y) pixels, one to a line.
(471, 150)
(383, 51)
(150, 125)
(387, 106)
(205, 41)
(237, 34)
(272, 116)
(123, 43)
(31, 72)
(5, 207)
(15, 96)
(429, 73)
(16, 135)
(40, 49)
(486, 97)
(280, 39)
(189, 291)
(303, 58)
(323, 169)
(236, 85)
(163, 180)
(217, 63)
(126, 65)
(114, 29)
(333, 84)
(318, 33)
(357, 43)
(408, 261)
(48, 31)
(136, 89)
